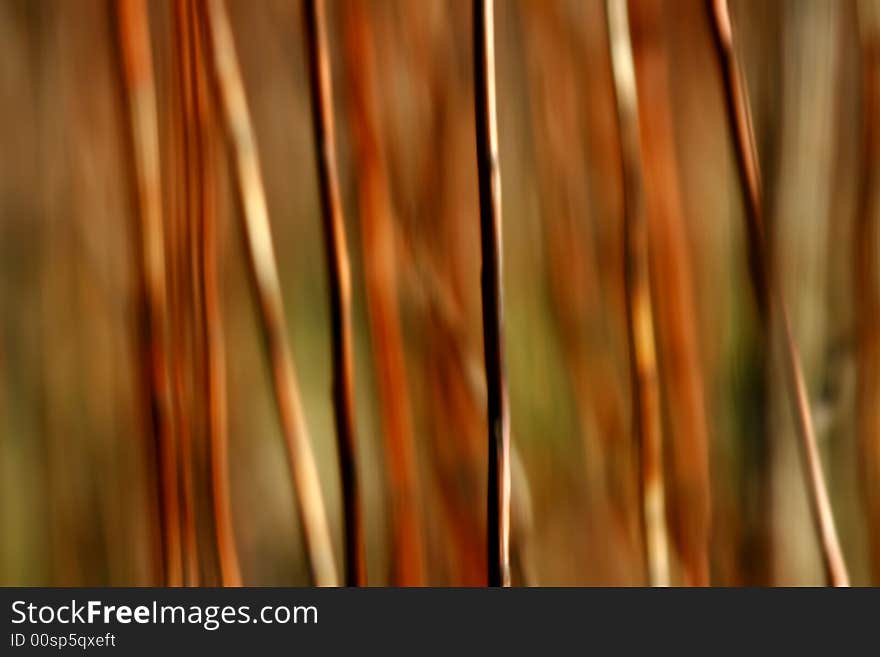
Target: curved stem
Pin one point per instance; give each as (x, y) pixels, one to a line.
(770, 295)
(267, 286)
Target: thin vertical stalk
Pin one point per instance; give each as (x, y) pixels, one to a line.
(640, 319)
(379, 256)
(770, 294)
(137, 69)
(865, 276)
(689, 492)
(740, 119)
(267, 286)
(489, 179)
(214, 352)
(445, 319)
(339, 271)
(182, 243)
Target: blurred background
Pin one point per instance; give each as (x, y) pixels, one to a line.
(77, 498)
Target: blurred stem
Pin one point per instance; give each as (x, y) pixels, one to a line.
(867, 294)
(455, 420)
(267, 286)
(568, 222)
(340, 286)
(183, 245)
(429, 271)
(643, 356)
(689, 492)
(214, 351)
(489, 179)
(770, 295)
(377, 228)
(445, 320)
(137, 69)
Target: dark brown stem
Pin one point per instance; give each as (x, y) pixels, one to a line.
(267, 286)
(379, 256)
(489, 178)
(137, 69)
(640, 319)
(769, 291)
(867, 293)
(340, 287)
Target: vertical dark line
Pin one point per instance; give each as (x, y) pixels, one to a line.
(339, 271)
(489, 180)
(740, 120)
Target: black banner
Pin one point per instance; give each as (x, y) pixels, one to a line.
(304, 620)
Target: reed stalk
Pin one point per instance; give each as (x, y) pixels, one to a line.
(263, 272)
(455, 420)
(212, 333)
(569, 218)
(611, 394)
(865, 276)
(183, 247)
(340, 287)
(462, 385)
(139, 85)
(689, 491)
(489, 181)
(769, 291)
(640, 317)
(446, 319)
(379, 256)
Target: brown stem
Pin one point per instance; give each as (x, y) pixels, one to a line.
(489, 178)
(340, 287)
(182, 243)
(867, 294)
(769, 292)
(214, 352)
(267, 287)
(460, 367)
(689, 491)
(640, 320)
(455, 421)
(574, 275)
(137, 69)
(377, 228)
